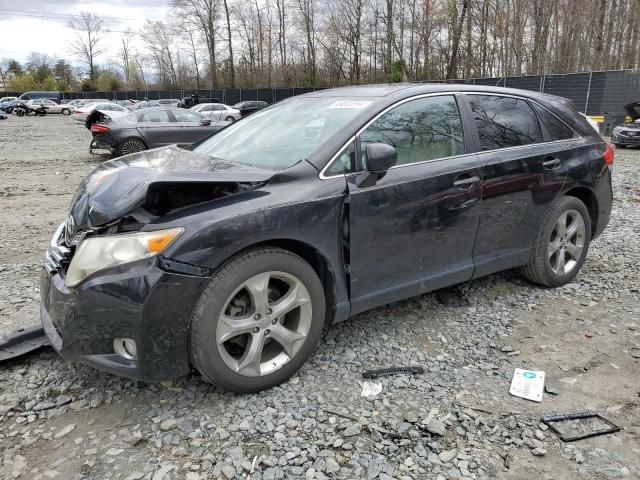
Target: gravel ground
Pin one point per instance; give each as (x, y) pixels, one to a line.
(457, 420)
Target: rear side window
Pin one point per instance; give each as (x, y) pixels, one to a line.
(158, 116)
(420, 130)
(504, 122)
(556, 127)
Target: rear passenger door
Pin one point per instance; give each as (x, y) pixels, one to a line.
(523, 172)
(155, 126)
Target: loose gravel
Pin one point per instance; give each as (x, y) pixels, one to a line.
(456, 420)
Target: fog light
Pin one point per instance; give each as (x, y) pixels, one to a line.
(126, 347)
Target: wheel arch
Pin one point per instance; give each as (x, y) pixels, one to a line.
(314, 257)
(586, 196)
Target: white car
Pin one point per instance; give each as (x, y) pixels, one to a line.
(112, 109)
(51, 106)
(216, 111)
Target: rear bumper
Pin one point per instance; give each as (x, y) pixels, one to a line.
(141, 302)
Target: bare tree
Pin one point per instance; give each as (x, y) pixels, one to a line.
(89, 32)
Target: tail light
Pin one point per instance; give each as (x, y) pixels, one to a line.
(608, 155)
(99, 128)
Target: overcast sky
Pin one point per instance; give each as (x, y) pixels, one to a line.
(43, 25)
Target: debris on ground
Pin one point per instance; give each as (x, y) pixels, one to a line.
(527, 384)
(384, 372)
(577, 426)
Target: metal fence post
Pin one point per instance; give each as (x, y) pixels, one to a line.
(586, 103)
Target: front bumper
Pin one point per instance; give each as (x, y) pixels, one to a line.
(138, 301)
(620, 139)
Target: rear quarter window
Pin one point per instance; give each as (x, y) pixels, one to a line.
(504, 122)
(556, 127)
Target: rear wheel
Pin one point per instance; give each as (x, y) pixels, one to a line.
(230, 119)
(258, 320)
(562, 244)
(131, 145)
(66, 111)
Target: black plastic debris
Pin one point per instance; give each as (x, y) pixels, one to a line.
(22, 341)
(576, 426)
(383, 372)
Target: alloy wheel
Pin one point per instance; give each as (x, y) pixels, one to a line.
(131, 145)
(567, 242)
(264, 323)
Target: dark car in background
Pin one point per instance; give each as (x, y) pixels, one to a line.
(188, 102)
(628, 134)
(248, 107)
(233, 257)
(151, 128)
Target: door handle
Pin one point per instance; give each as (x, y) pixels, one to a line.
(551, 163)
(463, 182)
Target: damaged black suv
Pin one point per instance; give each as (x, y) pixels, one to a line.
(232, 257)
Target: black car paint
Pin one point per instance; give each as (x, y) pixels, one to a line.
(340, 225)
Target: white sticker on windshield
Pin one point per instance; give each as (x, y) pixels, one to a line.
(350, 104)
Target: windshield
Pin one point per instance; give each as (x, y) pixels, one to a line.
(279, 136)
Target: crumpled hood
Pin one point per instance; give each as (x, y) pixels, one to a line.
(119, 186)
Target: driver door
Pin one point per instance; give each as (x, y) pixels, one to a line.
(414, 229)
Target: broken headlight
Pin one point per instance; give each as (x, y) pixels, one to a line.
(98, 253)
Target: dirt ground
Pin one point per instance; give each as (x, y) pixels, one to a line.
(585, 336)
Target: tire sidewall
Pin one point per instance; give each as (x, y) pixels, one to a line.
(209, 361)
(563, 205)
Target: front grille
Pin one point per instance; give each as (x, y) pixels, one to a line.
(58, 255)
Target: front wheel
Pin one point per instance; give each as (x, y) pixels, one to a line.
(562, 244)
(230, 119)
(258, 320)
(20, 113)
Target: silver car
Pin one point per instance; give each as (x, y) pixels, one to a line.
(51, 106)
(216, 111)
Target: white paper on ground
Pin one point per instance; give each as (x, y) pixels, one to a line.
(527, 384)
(371, 388)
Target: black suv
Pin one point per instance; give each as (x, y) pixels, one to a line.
(234, 256)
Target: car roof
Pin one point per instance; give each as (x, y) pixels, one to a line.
(411, 89)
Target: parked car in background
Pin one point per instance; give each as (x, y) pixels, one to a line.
(52, 107)
(5, 101)
(34, 95)
(144, 104)
(217, 111)
(151, 128)
(188, 102)
(169, 102)
(80, 113)
(125, 103)
(628, 134)
(248, 107)
(234, 256)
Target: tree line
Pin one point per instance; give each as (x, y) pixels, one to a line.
(272, 43)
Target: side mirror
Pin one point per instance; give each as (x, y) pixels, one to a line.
(205, 122)
(380, 157)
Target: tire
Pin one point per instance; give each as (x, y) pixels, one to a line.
(230, 119)
(545, 266)
(131, 145)
(220, 349)
(20, 113)
(65, 112)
